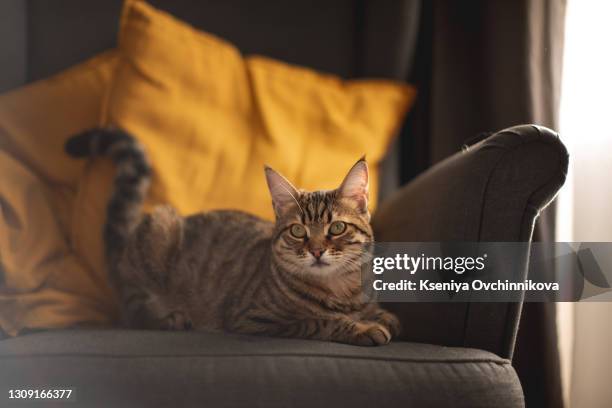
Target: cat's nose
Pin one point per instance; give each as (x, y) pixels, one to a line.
(317, 253)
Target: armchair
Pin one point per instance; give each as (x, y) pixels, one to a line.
(448, 354)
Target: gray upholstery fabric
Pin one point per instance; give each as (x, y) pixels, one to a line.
(12, 44)
(140, 368)
(492, 191)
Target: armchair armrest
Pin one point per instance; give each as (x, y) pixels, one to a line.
(491, 191)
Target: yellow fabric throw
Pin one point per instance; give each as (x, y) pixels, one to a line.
(209, 118)
(46, 284)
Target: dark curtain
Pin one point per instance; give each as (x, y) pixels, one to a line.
(483, 66)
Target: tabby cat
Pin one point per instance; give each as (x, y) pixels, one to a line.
(227, 270)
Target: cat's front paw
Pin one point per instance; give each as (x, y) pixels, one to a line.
(383, 317)
(176, 321)
(371, 334)
(390, 321)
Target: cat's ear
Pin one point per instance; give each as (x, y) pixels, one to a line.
(284, 195)
(354, 188)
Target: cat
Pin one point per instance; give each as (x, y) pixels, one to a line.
(230, 271)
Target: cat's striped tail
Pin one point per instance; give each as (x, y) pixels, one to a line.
(132, 180)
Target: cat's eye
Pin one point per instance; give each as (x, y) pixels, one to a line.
(298, 231)
(337, 228)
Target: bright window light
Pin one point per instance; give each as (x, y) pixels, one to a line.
(585, 205)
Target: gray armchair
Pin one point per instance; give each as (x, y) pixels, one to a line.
(492, 191)
(448, 355)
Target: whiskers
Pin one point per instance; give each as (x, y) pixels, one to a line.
(294, 199)
(349, 265)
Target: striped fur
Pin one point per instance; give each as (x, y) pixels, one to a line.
(231, 271)
(131, 181)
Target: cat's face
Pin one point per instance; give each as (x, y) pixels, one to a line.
(323, 232)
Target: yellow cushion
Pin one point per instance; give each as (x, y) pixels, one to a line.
(46, 284)
(211, 118)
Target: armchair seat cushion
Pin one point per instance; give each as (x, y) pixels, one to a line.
(146, 368)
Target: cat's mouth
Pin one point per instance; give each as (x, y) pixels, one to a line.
(319, 264)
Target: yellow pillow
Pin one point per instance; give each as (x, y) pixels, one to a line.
(46, 284)
(211, 118)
